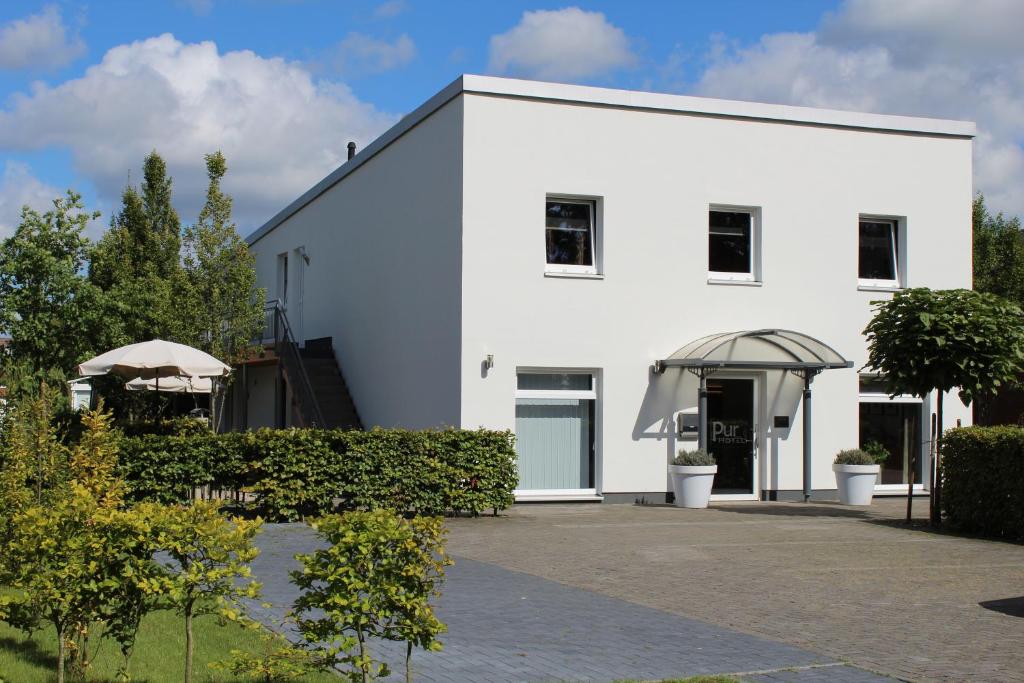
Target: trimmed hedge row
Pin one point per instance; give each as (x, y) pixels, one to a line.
(298, 473)
(983, 480)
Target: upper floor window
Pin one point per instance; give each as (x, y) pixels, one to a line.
(732, 245)
(879, 255)
(571, 235)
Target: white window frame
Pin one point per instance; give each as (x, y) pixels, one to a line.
(882, 397)
(589, 394)
(754, 275)
(595, 236)
(899, 251)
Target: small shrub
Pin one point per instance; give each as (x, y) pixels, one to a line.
(375, 580)
(696, 458)
(854, 456)
(877, 451)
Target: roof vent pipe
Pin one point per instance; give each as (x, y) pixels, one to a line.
(351, 149)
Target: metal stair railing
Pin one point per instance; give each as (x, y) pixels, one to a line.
(287, 349)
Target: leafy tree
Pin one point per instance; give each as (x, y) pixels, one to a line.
(209, 568)
(998, 253)
(374, 580)
(226, 307)
(33, 461)
(53, 313)
(137, 260)
(925, 340)
(163, 221)
(81, 560)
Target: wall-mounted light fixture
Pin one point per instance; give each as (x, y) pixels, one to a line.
(489, 361)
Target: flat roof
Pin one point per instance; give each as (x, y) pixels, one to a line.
(625, 99)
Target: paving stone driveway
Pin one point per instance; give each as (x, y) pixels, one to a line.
(511, 626)
(846, 583)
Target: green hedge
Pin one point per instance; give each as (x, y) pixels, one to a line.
(983, 480)
(299, 473)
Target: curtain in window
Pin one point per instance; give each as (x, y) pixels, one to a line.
(553, 443)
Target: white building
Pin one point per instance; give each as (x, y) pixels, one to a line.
(539, 257)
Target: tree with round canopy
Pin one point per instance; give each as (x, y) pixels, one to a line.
(923, 340)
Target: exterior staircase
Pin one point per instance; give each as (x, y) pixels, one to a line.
(319, 396)
(336, 405)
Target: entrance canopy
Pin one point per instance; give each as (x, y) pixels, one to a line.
(767, 349)
(756, 350)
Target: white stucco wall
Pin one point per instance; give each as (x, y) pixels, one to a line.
(656, 173)
(384, 275)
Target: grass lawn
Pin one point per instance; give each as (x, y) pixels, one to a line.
(159, 652)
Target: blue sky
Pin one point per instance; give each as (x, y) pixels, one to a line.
(281, 85)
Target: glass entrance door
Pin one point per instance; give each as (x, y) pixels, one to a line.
(731, 434)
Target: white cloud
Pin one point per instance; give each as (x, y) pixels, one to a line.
(280, 129)
(390, 9)
(912, 57)
(18, 187)
(358, 54)
(38, 41)
(561, 45)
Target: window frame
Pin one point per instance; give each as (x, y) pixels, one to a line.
(592, 394)
(896, 225)
(882, 397)
(595, 236)
(754, 276)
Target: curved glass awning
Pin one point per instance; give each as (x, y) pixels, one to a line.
(769, 349)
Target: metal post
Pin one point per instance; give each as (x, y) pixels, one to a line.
(279, 408)
(808, 376)
(702, 412)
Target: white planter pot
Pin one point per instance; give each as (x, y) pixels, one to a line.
(692, 484)
(856, 483)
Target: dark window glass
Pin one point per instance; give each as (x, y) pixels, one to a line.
(872, 384)
(556, 381)
(877, 250)
(570, 233)
(729, 242)
(897, 427)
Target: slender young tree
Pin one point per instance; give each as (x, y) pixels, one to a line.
(225, 308)
(210, 556)
(925, 340)
(164, 224)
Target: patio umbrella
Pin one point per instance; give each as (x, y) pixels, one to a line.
(153, 360)
(173, 385)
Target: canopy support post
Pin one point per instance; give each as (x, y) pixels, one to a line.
(702, 411)
(808, 375)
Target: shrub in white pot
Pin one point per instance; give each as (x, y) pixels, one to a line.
(692, 474)
(856, 473)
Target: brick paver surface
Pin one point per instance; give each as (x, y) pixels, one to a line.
(507, 625)
(846, 583)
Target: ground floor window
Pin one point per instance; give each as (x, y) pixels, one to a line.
(555, 420)
(896, 425)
